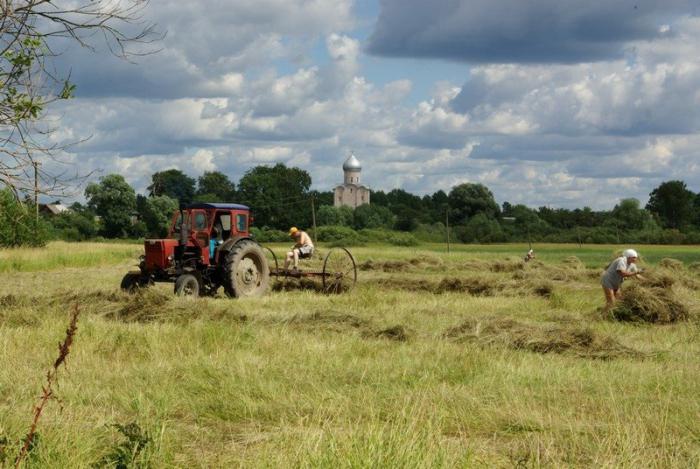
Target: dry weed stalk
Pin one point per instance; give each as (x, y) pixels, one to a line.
(47, 389)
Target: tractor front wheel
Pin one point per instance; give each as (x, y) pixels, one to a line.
(133, 281)
(247, 272)
(187, 285)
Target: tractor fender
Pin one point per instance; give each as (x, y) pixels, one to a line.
(230, 243)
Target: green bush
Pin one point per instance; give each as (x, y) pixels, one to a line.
(390, 237)
(18, 223)
(435, 233)
(267, 235)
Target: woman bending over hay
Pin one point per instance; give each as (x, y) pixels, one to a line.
(615, 274)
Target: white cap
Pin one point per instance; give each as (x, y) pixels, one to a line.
(630, 253)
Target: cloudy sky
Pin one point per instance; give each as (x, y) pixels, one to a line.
(547, 102)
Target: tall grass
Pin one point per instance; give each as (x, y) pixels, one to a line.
(300, 379)
(59, 255)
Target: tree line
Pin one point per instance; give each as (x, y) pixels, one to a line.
(280, 197)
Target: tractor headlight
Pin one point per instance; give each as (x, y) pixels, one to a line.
(170, 258)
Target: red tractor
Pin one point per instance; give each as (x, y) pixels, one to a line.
(209, 246)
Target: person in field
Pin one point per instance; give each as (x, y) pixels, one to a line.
(617, 271)
(302, 249)
(529, 256)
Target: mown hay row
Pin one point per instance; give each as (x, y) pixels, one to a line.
(540, 338)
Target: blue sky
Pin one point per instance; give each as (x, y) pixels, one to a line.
(547, 102)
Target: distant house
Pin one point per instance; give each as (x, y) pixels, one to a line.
(53, 209)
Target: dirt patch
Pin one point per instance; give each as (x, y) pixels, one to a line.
(653, 303)
(540, 338)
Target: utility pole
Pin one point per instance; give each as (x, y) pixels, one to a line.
(447, 227)
(313, 219)
(36, 189)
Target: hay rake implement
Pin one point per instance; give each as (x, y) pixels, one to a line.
(337, 269)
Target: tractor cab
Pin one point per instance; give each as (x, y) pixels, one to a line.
(201, 228)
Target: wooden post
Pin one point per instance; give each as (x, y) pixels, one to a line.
(36, 190)
(447, 227)
(313, 219)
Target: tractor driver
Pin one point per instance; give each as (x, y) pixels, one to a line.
(303, 248)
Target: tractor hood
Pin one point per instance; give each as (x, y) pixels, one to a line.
(159, 253)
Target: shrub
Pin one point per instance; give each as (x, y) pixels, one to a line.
(338, 235)
(18, 224)
(267, 235)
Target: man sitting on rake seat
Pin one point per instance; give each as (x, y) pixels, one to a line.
(303, 248)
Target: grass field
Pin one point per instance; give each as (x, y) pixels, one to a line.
(467, 359)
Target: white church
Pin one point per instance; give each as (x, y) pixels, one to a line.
(351, 193)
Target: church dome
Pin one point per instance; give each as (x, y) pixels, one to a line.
(352, 164)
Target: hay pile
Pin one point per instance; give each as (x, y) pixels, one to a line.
(398, 333)
(329, 320)
(335, 321)
(539, 338)
(672, 264)
(573, 262)
(420, 263)
(476, 286)
(655, 302)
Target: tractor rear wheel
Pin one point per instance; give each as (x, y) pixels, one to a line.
(247, 272)
(187, 285)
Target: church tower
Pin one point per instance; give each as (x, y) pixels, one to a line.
(351, 193)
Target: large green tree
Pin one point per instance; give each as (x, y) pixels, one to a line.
(114, 201)
(467, 200)
(373, 216)
(628, 215)
(278, 196)
(156, 214)
(673, 203)
(215, 186)
(173, 183)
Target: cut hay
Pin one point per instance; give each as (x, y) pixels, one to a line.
(651, 304)
(475, 286)
(672, 264)
(544, 289)
(387, 266)
(398, 333)
(301, 284)
(420, 262)
(509, 265)
(573, 262)
(143, 306)
(330, 321)
(536, 338)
